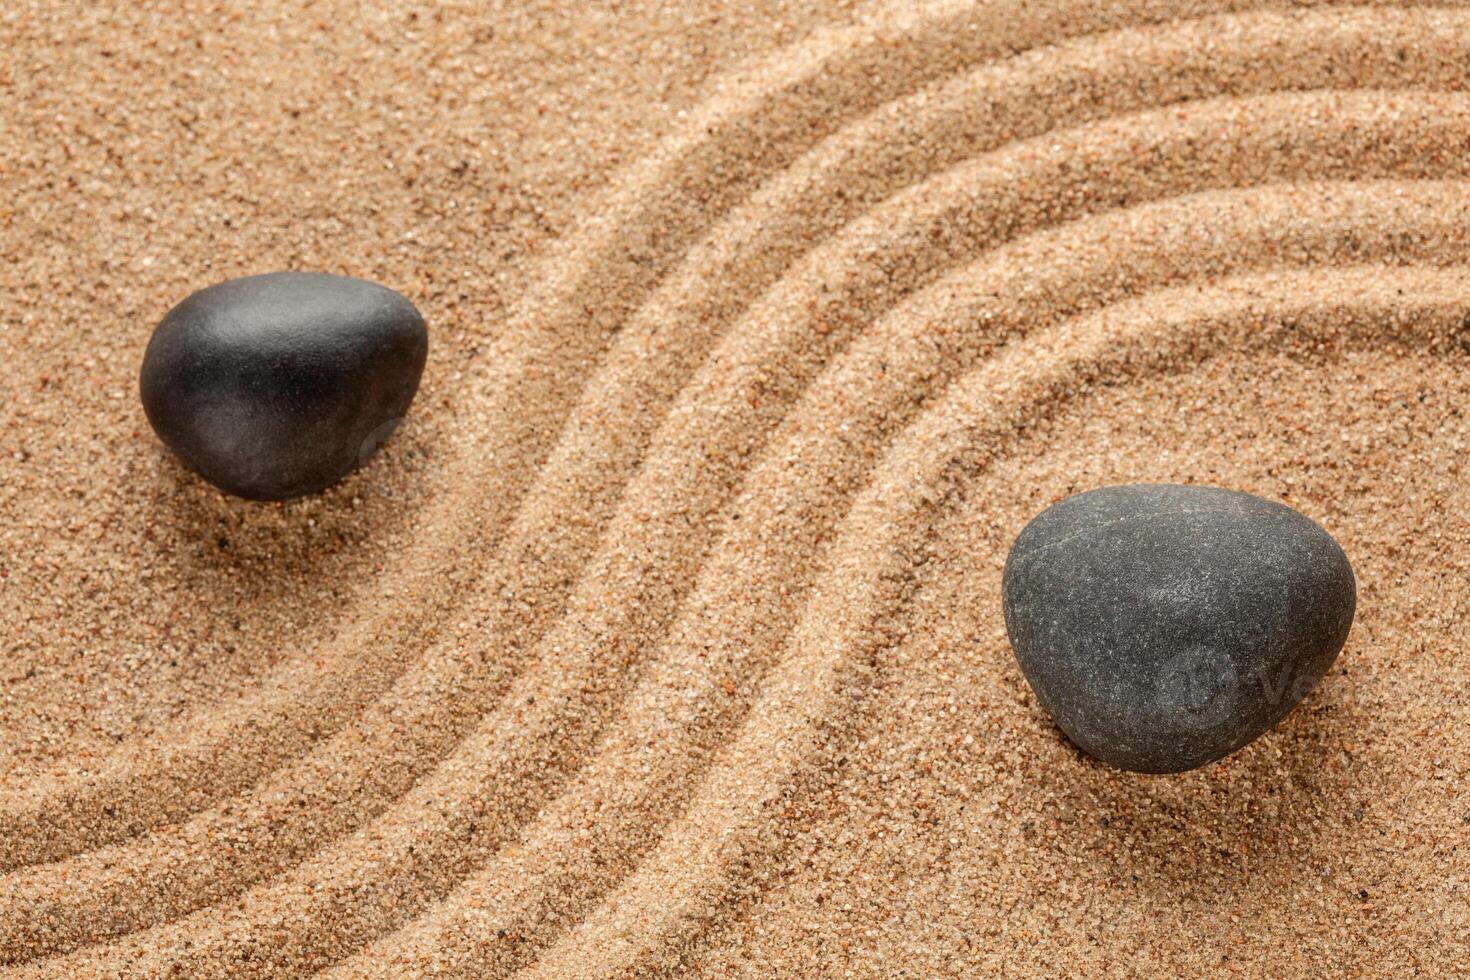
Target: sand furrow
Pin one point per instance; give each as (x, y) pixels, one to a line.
(514, 872)
(1352, 137)
(646, 923)
(685, 509)
(737, 137)
(1291, 224)
(298, 805)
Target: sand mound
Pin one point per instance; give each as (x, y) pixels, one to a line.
(667, 636)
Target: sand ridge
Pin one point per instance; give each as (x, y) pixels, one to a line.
(654, 610)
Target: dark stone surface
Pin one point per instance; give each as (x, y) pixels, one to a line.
(278, 385)
(1166, 626)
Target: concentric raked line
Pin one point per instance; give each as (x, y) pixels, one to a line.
(104, 897)
(172, 858)
(641, 929)
(1159, 242)
(645, 225)
(516, 879)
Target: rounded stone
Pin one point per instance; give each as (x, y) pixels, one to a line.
(278, 385)
(1164, 626)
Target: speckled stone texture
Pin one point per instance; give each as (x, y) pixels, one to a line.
(278, 385)
(1164, 627)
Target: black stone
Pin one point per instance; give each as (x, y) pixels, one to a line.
(278, 385)
(1164, 627)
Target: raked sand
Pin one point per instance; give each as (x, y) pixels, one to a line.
(665, 636)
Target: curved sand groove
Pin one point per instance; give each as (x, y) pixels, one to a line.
(671, 445)
(1340, 219)
(166, 859)
(135, 788)
(43, 818)
(184, 852)
(639, 926)
(515, 878)
(753, 127)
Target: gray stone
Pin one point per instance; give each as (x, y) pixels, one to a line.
(278, 385)
(1164, 627)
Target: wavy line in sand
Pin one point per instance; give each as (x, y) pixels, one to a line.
(563, 484)
(155, 866)
(513, 875)
(1369, 117)
(647, 921)
(920, 271)
(1342, 228)
(755, 126)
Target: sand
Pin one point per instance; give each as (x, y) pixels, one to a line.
(665, 637)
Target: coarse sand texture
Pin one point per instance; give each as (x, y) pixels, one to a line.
(664, 636)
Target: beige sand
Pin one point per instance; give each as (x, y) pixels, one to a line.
(665, 637)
